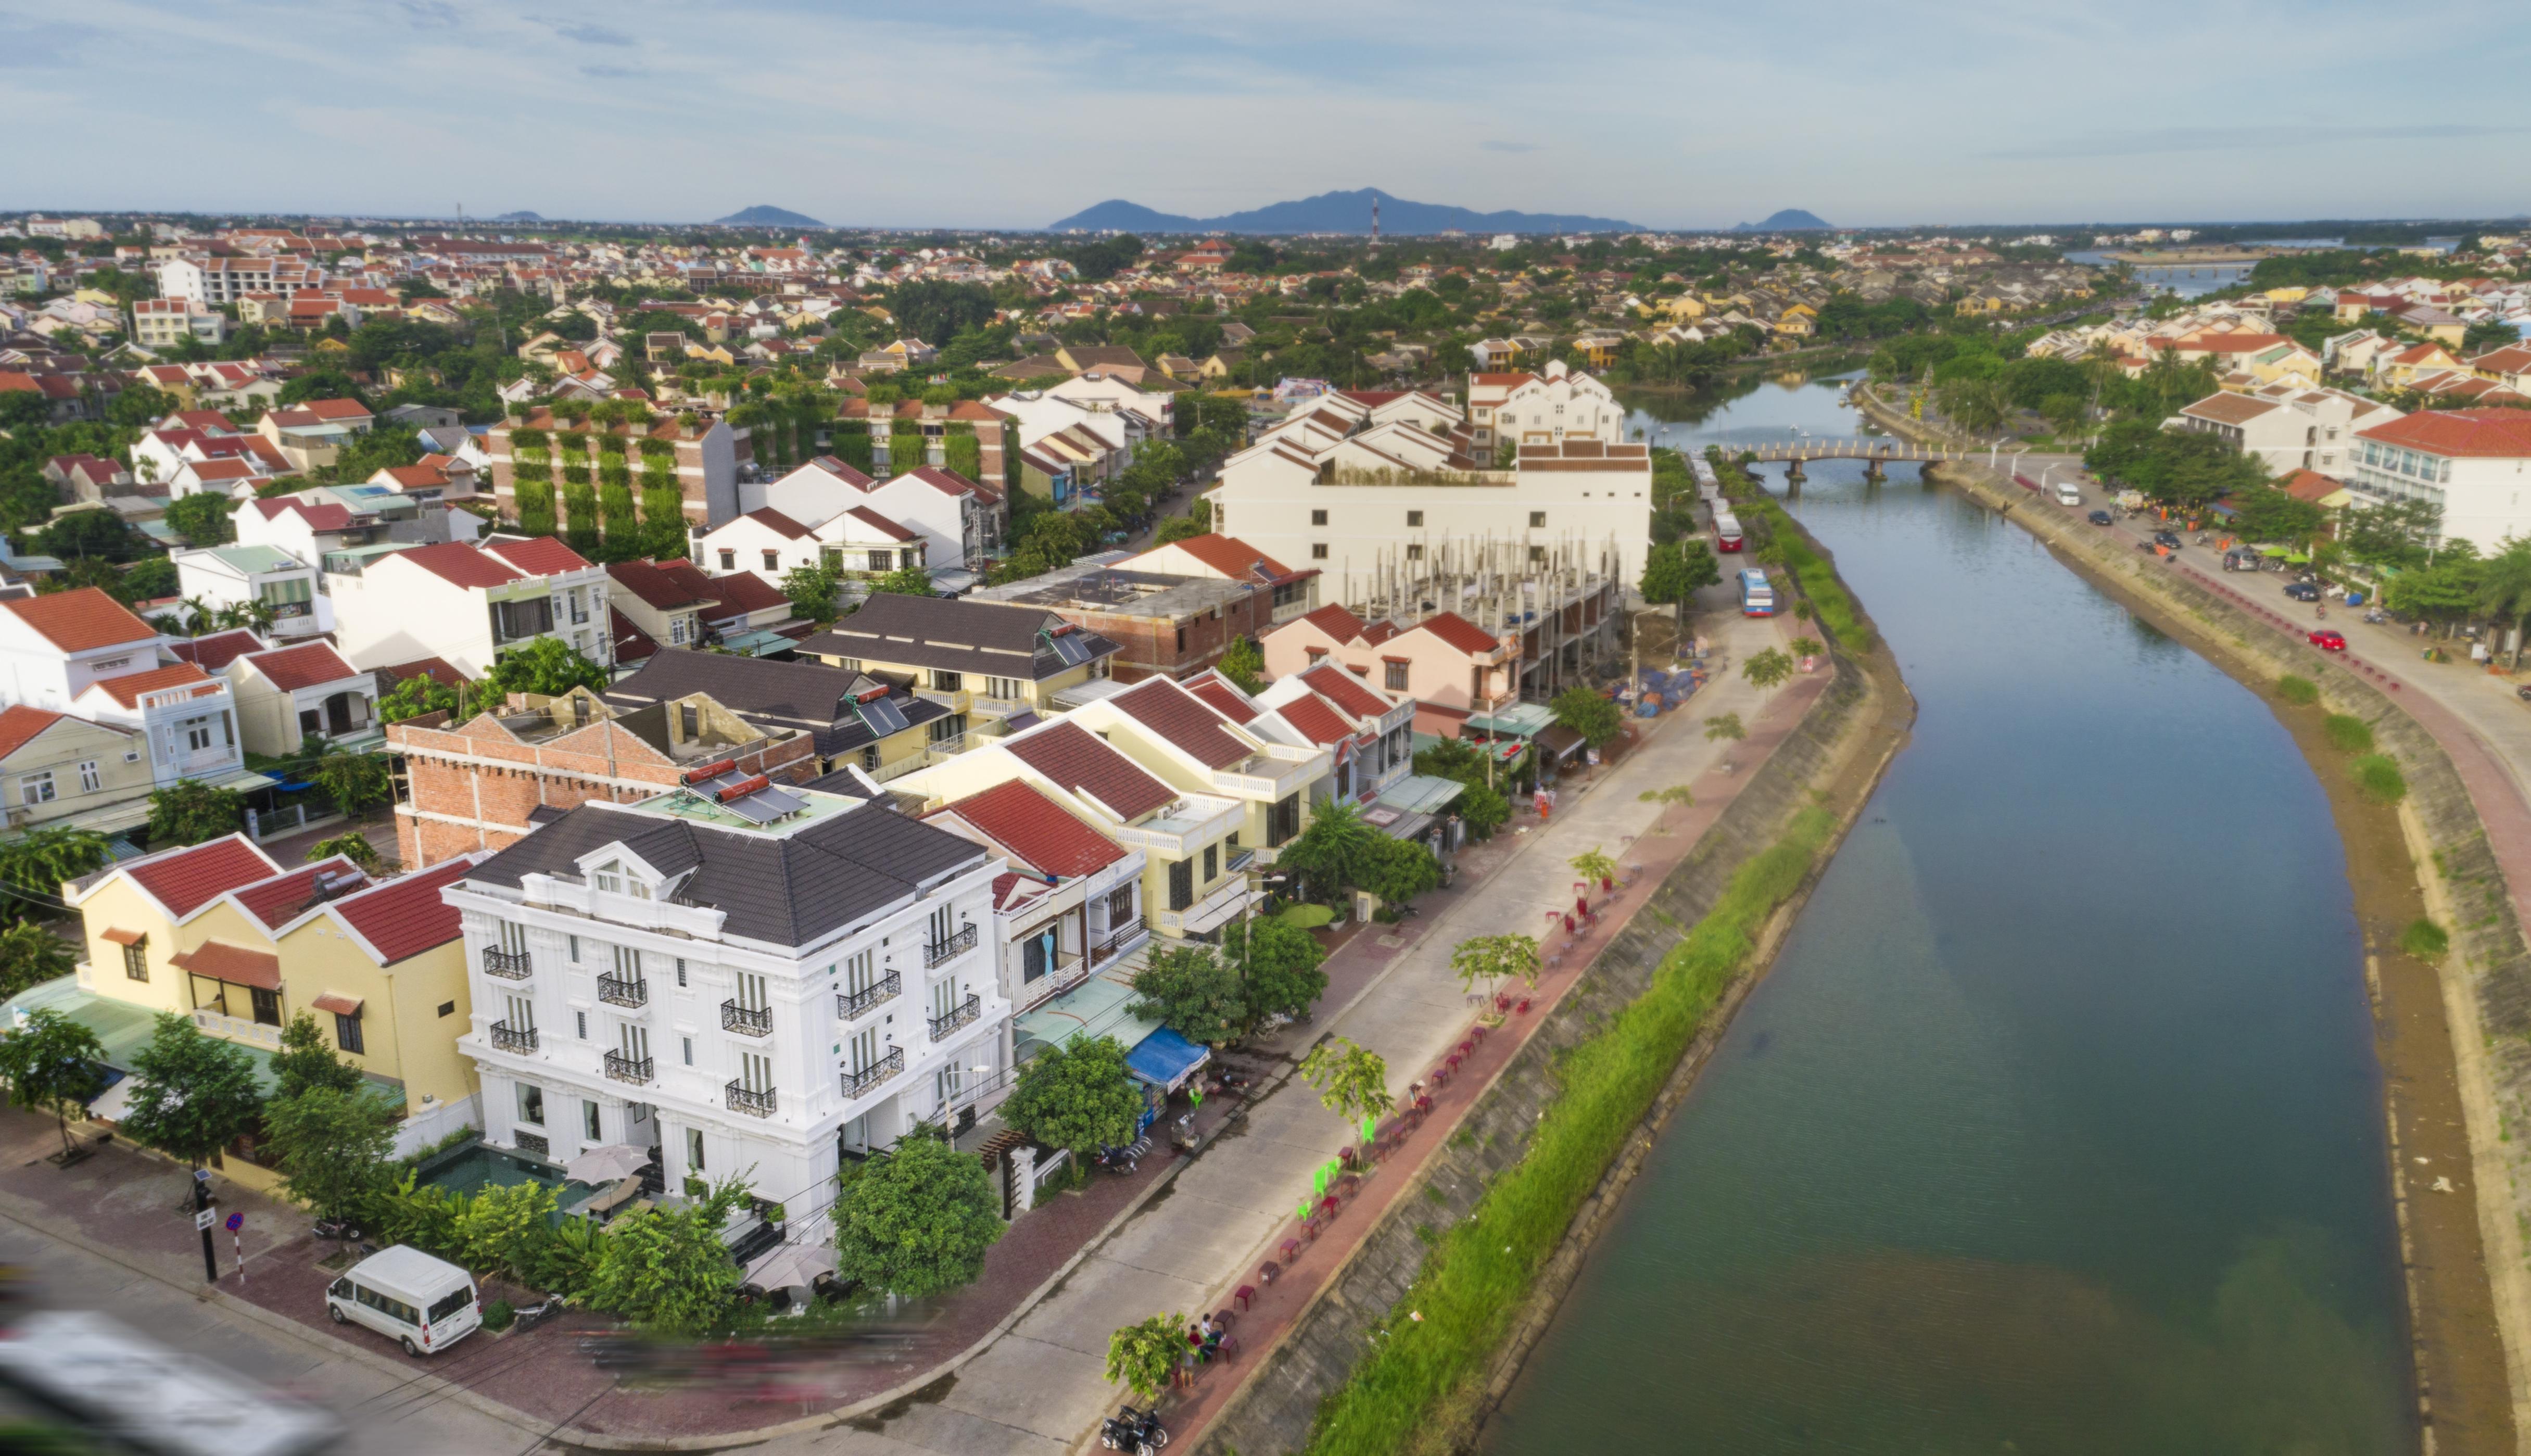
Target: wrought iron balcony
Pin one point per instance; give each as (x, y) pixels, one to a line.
(618, 991)
(507, 1038)
(749, 1101)
(940, 950)
(959, 1016)
(753, 1021)
(858, 1082)
(628, 1068)
(1117, 939)
(849, 1004)
(509, 964)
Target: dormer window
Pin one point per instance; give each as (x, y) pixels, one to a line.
(614, 879)
(611, 880)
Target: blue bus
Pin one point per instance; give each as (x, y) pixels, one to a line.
(1756, 595)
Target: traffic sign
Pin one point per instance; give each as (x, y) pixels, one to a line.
(202, 1218)
(235, 1221)
(201, 1175)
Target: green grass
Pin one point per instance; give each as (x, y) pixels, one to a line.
(1306, 916)
(2300, 692)
(1834, 607)
(2378, 775)
(2348, 733)
(2424, 939)
(1421, 1388)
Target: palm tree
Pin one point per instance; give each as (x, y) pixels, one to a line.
(2506, 589)
(198, 615)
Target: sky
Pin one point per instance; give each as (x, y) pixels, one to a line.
(1011, 115)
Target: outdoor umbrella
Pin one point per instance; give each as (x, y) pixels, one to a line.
(599, 1166)
(791, 1266)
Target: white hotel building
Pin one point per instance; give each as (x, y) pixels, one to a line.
(2473, 465)
(754, 980)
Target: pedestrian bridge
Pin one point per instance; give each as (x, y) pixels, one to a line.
(1863, 447)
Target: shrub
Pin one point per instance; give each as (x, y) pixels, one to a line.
(2300, 692)
(2348, 733)
(2424, 939)
(2378, 775)
(497, 1316)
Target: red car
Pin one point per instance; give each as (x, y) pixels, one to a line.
(2329, 640)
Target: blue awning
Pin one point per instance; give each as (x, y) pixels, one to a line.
(1164, 1058)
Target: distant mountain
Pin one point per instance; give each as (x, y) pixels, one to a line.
(762, 215)
(1790, 220)
(1337, 213)
(515, 217)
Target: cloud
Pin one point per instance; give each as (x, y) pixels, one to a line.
(583, 31)
(613, 73)
(1514, 146)
(430, 13)
(2237, 138)
(37, 47)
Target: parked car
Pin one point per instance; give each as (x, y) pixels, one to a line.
(2303, 591)
(422, 1303)
(2168, 539)
(2100, 517)
(2329, 640)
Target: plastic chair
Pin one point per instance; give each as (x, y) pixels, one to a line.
(1292, 1249)
(1266, 1271)
(1243, 1294)
(1345, 1155)
(1349, 1184)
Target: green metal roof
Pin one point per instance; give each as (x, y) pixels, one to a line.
(1520, 720)
(1422, 793)
(1094, 1008)
(259, 558)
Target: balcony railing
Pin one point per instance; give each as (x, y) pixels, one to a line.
(625, 1068)
(509, 964)
(749, 1101)
(752, 1020)
(1117, 939)
(858, 1082)
(618, 991)
(507, 1038)
(849, 1004)
(239, 1028)
(958, 1016)
(941, 950)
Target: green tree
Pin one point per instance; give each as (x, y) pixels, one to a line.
(666, 1270)
(505, 1228)
(1724, 726)
(98, 533)
(1586, 712)
(1244, 664)
(204, 519)
(1494, 959)
(40, 861)
(1400, 870)
(917, 1222)
(352, 781)
(195, 1093)
(1188, 989)
(304, 1061)
(1336, 851)
(1198, 521)
(1076, 1098)
(1142, 1357)
(2505, 590)
(1673, 571)
(1767, 669)
(905, 581)
(190, 811)
(1351, 1080)
(546, 666)
(150, 579)
(52, 1064)
(2263, 513)
(414, 696)
(332, 1144)
(812, 590)
(352, 845)
(1593, 864)
(1279, 963)
(29, 956)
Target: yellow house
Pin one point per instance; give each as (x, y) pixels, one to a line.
(991, 658)
(59, 770)
(224, 934)
(1975, 304)
(1798, 325)
(1685, 308)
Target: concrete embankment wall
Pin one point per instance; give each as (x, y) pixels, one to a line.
(2488, 964)
(1274, 1411)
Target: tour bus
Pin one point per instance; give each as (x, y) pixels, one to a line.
(1757, 595)
(422, 1303)
(150, 1398)
(1727, 532)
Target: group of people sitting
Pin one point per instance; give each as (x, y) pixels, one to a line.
(1203, 1339)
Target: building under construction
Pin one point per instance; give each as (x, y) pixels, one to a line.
(1562, 597)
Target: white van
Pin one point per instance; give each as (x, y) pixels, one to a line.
(421, 1302)
(2068, 496)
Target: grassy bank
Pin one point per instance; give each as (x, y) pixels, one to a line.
(1421, 1386)
(1778, 538)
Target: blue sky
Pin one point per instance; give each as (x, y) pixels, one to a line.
(1009, 115)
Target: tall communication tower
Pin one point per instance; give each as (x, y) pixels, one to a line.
(1374, 222)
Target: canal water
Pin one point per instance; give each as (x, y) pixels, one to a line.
(2056, 1128)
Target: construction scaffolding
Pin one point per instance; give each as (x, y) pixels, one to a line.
(1562, 594)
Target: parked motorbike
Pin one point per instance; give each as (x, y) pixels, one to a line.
(2320, 612)
(531, 1315)
(340, 1230)
(1136, 1430)
(1117, 1159)
(2377, 615)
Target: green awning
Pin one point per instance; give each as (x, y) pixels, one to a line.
(1422, 793)
(757, 643)
(1520, 720)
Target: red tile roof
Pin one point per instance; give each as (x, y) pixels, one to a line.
(460, 564)
(1460, 633)
(20, 724)
(1037, 830)
(1182, 720)
(1235, 558)
(278, 900)
(185, 880)
(128, 689)
(536, 555)
(632, 644)
(779, 524)
(306, 665)
(217, 650)
(2311, 486)
(79, 619)
(947, 483)
(1345, 691)
(438, 669)
(2485, 434)
(1068, 754)
(656, 588)
(235, 965)
(1333, 620)
(1317, 722)
(746, 592)
(880, 524)
(1223, 699)
(404, 915)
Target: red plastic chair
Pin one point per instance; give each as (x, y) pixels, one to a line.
(1523, 1007)
(1329, 1205)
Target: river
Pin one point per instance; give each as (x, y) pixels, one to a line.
(2057, 1126)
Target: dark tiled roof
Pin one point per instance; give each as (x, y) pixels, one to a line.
(770, 694)
(962, 636)
(785, 890)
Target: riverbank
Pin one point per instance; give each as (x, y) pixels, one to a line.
(2452, 1164)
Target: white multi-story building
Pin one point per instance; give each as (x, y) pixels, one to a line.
(755, 982)
(2290, 426)
(2472, 464)
(467, 604)
(1554, 404)
(160, 323)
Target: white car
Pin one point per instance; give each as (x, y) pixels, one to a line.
(2068, 496)
(421, 1302)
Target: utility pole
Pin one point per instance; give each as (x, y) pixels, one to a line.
(203, 1221)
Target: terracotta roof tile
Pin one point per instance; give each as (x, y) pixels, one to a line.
(79, 619)
(20, 724)
(185, 880)
(1069, 756)
(536, 555)
(128, 689)
(217, 650)
(1223, 699)
(306, 665)
(1037, 830)
(2489, 433)
(1233, 558)
(405, 916)
(655, 587)
(233, 965)
(278, 900)
(1182, 720)
(1345, 691)
(1336, 622)
(1317, 722)
(1460, 633)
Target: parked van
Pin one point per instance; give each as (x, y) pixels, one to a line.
(421, 1302)
(2068, 496)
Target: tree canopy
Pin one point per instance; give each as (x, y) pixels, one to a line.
(917, 1222)
(1078, 1098)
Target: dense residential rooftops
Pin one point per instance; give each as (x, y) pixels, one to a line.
(2490, 432)
(185, 880)
(1182, 720)
(1017, 816)
(1071, 756)
(81, 619)
(960, 636)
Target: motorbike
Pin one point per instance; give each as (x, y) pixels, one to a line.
(1136, 1430)
(531, 1315)
(1117, 1159)
(340, 1230)
(2320, 613)
(2377, 615)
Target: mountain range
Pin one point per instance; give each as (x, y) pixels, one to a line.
(1790, 220)
(765, 215)
(1336, 213)
(519, 217)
